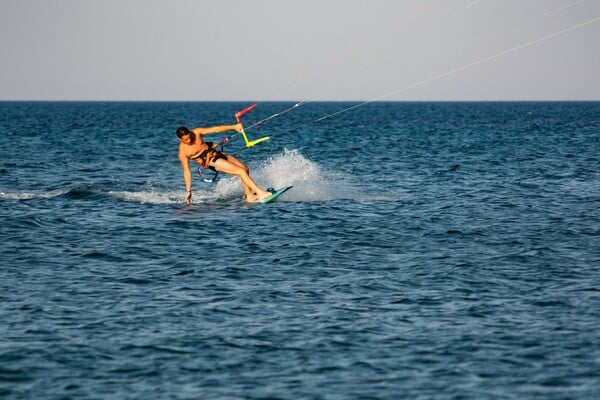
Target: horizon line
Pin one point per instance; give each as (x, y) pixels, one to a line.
(294, 101)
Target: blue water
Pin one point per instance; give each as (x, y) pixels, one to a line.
(427, 250)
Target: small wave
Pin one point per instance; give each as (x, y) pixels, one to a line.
(146, 197)
(226, 189)
(310, 181)
(75, 193)
(32, 195)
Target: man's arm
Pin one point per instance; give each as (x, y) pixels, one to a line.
(216, 129)
(187, 178)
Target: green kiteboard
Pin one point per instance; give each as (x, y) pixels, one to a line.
(276, 194)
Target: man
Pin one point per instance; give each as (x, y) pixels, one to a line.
(193, 147)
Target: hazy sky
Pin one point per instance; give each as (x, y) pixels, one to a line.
(256, 50)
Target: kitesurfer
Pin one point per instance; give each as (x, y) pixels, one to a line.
(193, 147)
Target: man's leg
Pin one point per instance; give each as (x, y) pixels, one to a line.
(233, 166)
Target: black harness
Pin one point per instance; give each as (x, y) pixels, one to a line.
(207, 165)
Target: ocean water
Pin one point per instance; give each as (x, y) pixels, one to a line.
(427, 250)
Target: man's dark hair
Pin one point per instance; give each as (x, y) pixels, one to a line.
(182, 131)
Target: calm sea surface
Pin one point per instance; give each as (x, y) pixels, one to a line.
(427, 250)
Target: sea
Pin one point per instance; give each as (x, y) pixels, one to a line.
(427, 250)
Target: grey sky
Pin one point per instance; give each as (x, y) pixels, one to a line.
(298, 50)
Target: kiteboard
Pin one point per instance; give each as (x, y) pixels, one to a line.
(276, 194)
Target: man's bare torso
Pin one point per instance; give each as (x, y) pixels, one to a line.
(193, 149)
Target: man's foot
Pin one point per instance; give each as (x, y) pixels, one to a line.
(263, 194)
(255, 198)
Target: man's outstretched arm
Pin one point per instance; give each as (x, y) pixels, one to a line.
(216, 129)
